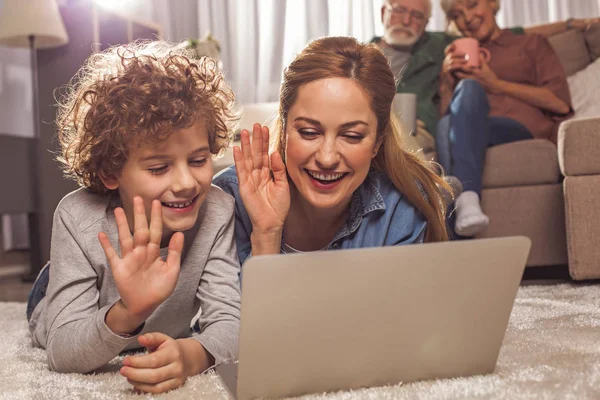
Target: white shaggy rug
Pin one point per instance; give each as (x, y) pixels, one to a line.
(551, 351)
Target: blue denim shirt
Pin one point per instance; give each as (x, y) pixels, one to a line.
(379, 216)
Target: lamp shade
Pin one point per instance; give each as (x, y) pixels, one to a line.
(20, 19)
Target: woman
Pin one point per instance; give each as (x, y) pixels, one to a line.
(337, 176)
(522, 93)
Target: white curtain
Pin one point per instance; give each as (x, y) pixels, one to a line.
(260, 37)
(534, 12)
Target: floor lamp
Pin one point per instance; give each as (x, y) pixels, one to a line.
(35, 24)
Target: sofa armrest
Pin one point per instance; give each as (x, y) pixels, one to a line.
(579, 147)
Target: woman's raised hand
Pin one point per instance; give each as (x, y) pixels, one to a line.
(263, 189)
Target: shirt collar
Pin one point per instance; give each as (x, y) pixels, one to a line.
(503, 39)
(366, 199)
(421, 41)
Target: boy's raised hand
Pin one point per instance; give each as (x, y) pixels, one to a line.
(266, 198)
(142, 278)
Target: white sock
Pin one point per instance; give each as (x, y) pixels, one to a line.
(470, 220)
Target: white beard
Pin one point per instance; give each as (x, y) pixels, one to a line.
(396, 40)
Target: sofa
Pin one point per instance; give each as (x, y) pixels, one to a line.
(263, 113)
(548, 192)
(533, 188)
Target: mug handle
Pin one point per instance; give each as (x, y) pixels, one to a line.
(486, 54)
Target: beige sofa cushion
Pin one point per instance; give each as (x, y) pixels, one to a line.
(583, 231)
(537, 212)
(579, 147)
(262, 113)
(571, 50)
(585, 91)
(592, 39)
(526, 162)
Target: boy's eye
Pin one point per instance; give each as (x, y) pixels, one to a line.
(158, 170)
(198, 162)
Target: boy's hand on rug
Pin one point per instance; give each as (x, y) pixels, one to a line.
(265, 196)
(162, 369)
(142, 278)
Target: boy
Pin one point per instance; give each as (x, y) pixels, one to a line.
(137, 130)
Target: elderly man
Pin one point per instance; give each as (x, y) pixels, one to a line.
(416, 56)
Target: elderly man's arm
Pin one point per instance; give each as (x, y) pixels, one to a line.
(554, 28)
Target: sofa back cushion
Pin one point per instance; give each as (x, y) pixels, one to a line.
(585, 91)
(575, 49)
(571, 50)
(592, 39)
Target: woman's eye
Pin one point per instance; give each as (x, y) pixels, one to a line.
(353, 138)
(308, 134)
(158, 170)
(198, 162)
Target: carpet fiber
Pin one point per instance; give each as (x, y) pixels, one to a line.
(551, 351)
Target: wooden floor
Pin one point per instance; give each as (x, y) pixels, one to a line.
(14, 289)
(13, 266)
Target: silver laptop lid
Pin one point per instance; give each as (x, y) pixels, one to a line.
(345, 319)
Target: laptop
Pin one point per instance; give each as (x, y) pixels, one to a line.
(346, 319)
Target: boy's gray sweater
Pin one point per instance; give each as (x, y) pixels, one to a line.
(69, 321)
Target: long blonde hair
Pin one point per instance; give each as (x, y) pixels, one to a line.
(365, 63)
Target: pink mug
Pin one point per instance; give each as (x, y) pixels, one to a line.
(470, 47)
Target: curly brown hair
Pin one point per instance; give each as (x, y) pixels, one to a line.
(139, 92)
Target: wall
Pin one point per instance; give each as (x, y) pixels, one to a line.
(15, 198)
(16, 115)
(55, 69)
(16, 121)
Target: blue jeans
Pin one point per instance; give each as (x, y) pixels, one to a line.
(466, 131)
(38, 290)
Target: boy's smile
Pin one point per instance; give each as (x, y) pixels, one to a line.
(180, 206)
(177, 171)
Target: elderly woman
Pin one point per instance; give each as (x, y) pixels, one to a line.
(521, 93)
